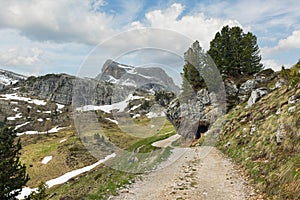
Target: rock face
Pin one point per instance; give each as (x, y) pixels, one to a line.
(200, 111)
(66, 89)
(193, 116)
(7, 78)
(145, 78)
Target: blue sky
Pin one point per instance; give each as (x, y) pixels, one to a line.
(38, 37)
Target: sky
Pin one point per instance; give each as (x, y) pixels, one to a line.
(74, 36)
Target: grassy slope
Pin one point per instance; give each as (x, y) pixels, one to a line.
(274, 168)
(67, 156)
(71, 154)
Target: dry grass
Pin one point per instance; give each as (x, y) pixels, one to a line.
(271, 166)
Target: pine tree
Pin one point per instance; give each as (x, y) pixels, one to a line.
(12, 173)
(195, 60)
(235, 53)
(199, 71)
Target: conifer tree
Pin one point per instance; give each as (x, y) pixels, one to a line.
(235, 53)
(12, 173)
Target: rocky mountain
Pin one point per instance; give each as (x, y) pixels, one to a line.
(145, 78)
(66, 89)
(8, 77)
(196, 113)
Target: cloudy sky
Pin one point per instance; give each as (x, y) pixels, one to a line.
(53, 36)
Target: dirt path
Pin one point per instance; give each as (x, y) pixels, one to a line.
(199, 173)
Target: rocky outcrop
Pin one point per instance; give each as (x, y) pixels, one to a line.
(144, 78)
(193, 116)
(187, 116)
(66, 89)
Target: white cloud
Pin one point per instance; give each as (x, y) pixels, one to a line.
(60, 21)
(259, 14)
(196, 26)
(17, 57)
(272, 64)
(291, 42)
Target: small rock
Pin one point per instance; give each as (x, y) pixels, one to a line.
(292, 109)
(125, 190)
(279, 83)
(253, 129)
(280, 135)
(292, 99)
(227, 145)
(173, 192)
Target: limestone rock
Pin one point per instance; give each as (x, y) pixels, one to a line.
(280, 134)
(279, 83)
(139, 77)
(292, 109)
(246, 89)
(255, 96)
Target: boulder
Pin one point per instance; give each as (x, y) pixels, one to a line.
(230, 88)
(246, 89)
(255, 96)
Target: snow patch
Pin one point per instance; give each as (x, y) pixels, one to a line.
(64, 178)
(53, 130)
(128, 82)
(40, 119)
(126, 67)
(112, 120)
(135, 107)
(19, 115)
(16, 88)
(19, 126)
(67, 176)
(136, 116)
(120, 106)
(60, 106)
(112, 80)
(153, 114)
(14, 96)
(46, 160)
(47, 112)
(63, 140)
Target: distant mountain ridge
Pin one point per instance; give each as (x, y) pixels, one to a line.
(8, 77)
(146, 78)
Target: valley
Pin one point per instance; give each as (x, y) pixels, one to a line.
(102, 138)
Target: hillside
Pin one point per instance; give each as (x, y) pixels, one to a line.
(54, 114)
(264, 139)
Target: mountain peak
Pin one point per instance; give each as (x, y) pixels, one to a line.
(146, 78)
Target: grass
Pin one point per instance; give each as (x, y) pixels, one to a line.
(274, 168)
(36, 147)
(102, 181)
